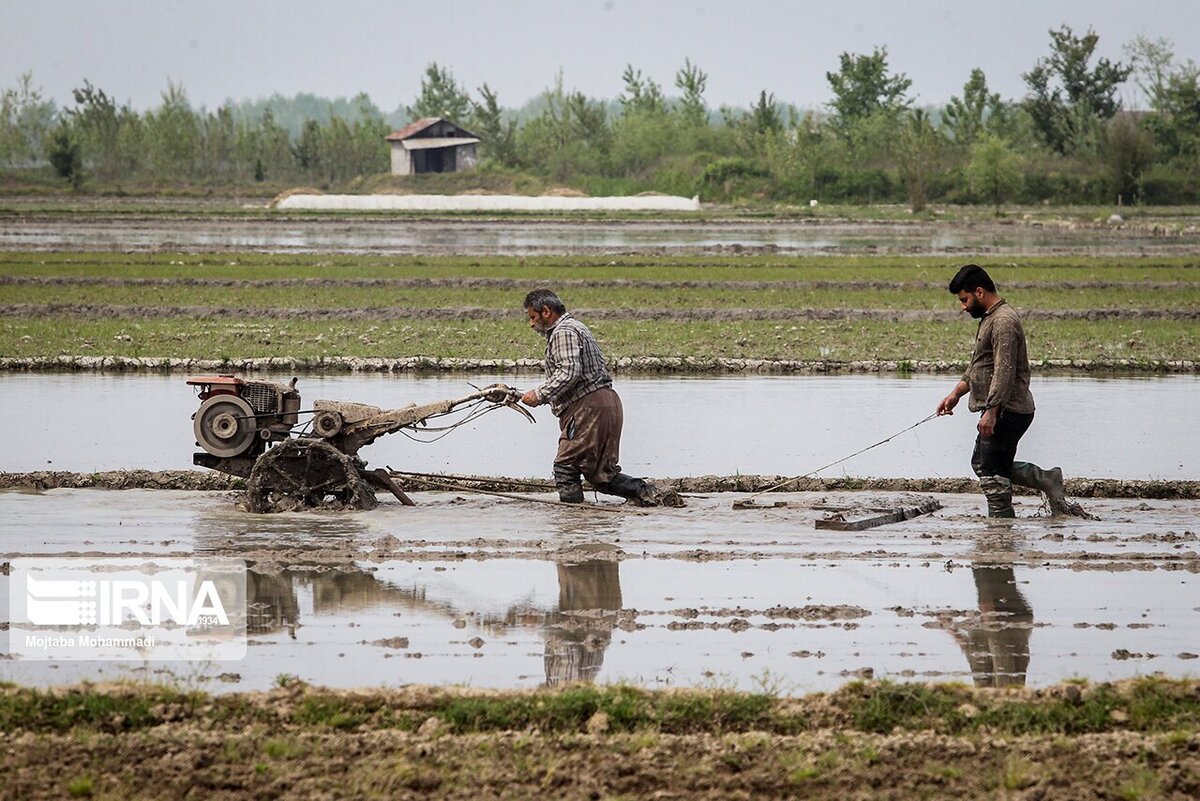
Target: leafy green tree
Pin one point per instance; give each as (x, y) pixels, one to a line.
(588, 120)
(799, 158)
(499, 136)
(640, 140)
(98, 121)
(172, 135)
(1152, 61)
(308, 148)
(371, 149)
(63, 152)
(919, 149)
(441, 96)
(994, 170)
(338, 160)
(1178, 115)
(642, 95)
(25, 123)
(272, 155)
(569, 137)
(219, 149)
(644, 133)
(1068, 99)
(977, 110)
(1173, 91)
(765, 116)
(750, 129)
(691, 81)
(1128, 152)
(862, 88)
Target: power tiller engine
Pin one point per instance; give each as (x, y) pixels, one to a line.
(293, 458)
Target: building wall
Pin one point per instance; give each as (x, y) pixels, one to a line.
(405, 162)
(466, 157)
(401, 160)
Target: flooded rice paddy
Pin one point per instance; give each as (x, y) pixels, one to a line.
(285, 233)
(493, 593)
(481, 591)
(1129, 428)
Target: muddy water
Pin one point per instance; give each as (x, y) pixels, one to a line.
(358, 235)
(490, 593)
(1102, 428)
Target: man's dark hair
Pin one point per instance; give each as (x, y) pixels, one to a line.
(969, 278)
(544, 298)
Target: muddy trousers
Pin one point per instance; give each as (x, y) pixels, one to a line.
(993, 461)
(568, 482)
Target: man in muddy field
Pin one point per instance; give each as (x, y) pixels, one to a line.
(578, 388)
(998, 382)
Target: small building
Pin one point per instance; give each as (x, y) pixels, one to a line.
(432, 144)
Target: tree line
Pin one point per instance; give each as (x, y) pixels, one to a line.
(1068, 140)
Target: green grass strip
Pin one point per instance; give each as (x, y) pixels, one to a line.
(758, 267)
(236, 338)
(253, 297)
(1143, 705)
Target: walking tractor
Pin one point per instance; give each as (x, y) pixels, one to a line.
(293, 458)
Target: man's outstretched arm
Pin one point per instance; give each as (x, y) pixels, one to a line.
(947, 404)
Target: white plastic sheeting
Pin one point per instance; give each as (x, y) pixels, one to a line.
(487, 203)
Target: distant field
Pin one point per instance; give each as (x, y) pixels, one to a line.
(756, 267)
(254, 305)
(848, 296)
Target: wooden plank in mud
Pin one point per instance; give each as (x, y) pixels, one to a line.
(838, 522)
(753, 504)
(827, 507)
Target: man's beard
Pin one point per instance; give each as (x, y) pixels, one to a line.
(976, 310)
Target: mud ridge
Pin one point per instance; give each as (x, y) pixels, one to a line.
(108, 310)
(679, 365)
(41, 480)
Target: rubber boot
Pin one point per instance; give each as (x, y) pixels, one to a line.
(568, 484)
(998, 492)
(622, 486)
(1050, 483)
(640, 492)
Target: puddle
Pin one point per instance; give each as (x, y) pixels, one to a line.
(785, 425)
(488, 593)
(473, 590)
(380, 234)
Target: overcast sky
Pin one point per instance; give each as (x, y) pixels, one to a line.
(241, 49)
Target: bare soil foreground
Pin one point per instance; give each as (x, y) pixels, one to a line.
(1129, 740)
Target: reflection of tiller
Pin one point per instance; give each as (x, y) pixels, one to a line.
(252, 429)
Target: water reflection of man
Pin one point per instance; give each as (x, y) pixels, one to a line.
(996, 643)
(271, 602)
(589, 603)
(998, 382)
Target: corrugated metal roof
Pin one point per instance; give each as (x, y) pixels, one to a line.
(432, 142)
(414, 128)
